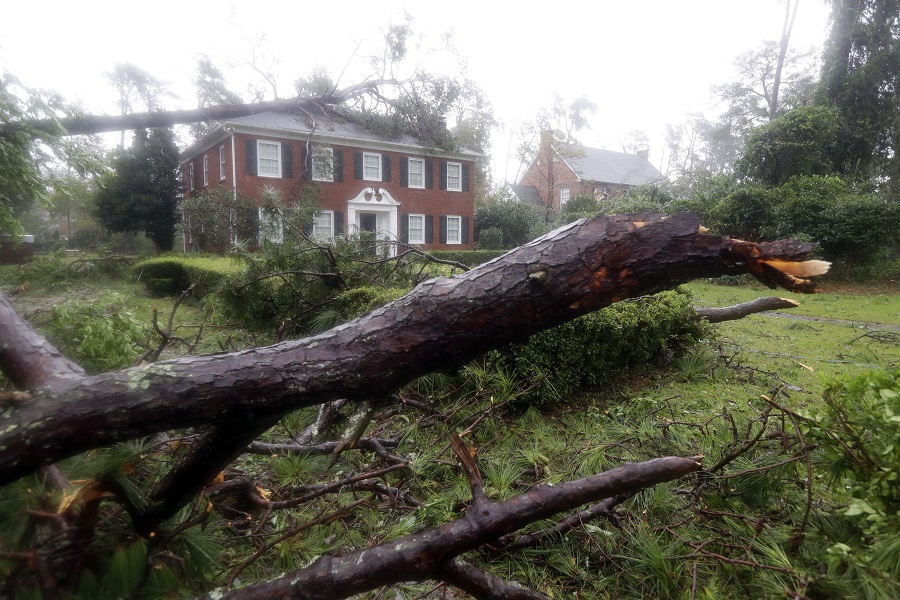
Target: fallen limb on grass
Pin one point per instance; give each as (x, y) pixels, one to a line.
(739, 311)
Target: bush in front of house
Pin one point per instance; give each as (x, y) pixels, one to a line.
(171, 275)
(595, 347)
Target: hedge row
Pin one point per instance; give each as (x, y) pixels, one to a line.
(588, 350)
(171, 275)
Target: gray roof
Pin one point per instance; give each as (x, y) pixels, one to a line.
(526, 193)
(607, 166)
(334, 130)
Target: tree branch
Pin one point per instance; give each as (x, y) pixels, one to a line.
(739, 311)
(441, 324)
(423, 555)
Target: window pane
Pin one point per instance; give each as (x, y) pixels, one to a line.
(454, 176)
(416, 173)
(372, 167)
(323, 164)
(269, 163)
(416, 229)
(453, 230)
(322, 224)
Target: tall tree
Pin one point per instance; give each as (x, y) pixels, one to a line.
(860, 78)
(138, 91)
(211, 91)
(142, 193)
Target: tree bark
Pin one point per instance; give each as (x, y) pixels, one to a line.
(441, 324)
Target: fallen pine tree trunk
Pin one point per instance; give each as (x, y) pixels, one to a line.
(441, 324)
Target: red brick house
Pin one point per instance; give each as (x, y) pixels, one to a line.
(560, 172)
(397, 187)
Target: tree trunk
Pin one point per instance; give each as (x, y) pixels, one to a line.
(441, 324)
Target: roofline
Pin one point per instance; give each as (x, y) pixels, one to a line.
(222, 132)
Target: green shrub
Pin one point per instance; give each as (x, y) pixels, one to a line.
(590, 349)
(171, 275)
(490, 238)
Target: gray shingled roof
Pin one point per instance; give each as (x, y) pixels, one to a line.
(526, 193)
(607, 166)
(331, 128)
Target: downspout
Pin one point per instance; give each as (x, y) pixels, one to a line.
(233, 163)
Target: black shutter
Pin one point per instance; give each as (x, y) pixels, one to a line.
(443, 182)
(404, 229)
(306, 152)
(465, 178)
(338, 164)
(357, 165)
(385, 167)
(338, 223)
(287, 160)
(465, 230)
(308, 228)
(429, 229)
(442, 236)
(252, 164)
(404, 171)
(429, 174)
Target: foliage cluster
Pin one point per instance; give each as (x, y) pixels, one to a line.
(517, 223)
(592, 349)
(172, 274)
(218, 216)
(55, 270)
(100, 336)
(141, 194)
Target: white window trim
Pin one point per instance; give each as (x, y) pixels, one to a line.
(367, 155)
(458, 187)
(330, 171)
(458, 239)
(191, 176)
(565, 194)
(409, 229)
(205, 170)
(259, 158)
(330, 235)
(222, 162)
(421, 163)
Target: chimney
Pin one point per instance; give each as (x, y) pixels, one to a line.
(645, 153)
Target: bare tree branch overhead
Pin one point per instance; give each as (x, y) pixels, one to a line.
(442, 323)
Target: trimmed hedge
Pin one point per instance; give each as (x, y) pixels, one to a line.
(171, 275)
(588, 350)
(470, 258)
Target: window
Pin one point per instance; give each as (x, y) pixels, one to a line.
(454, 177)
(323, 224)
(371, 166)
(205, 170)
(191, 176)
(269, 157)
(270, 225)
(563, 196)
(416, 173)
(454, 226)
(222, 162)
(416, 229)
(323, 164)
